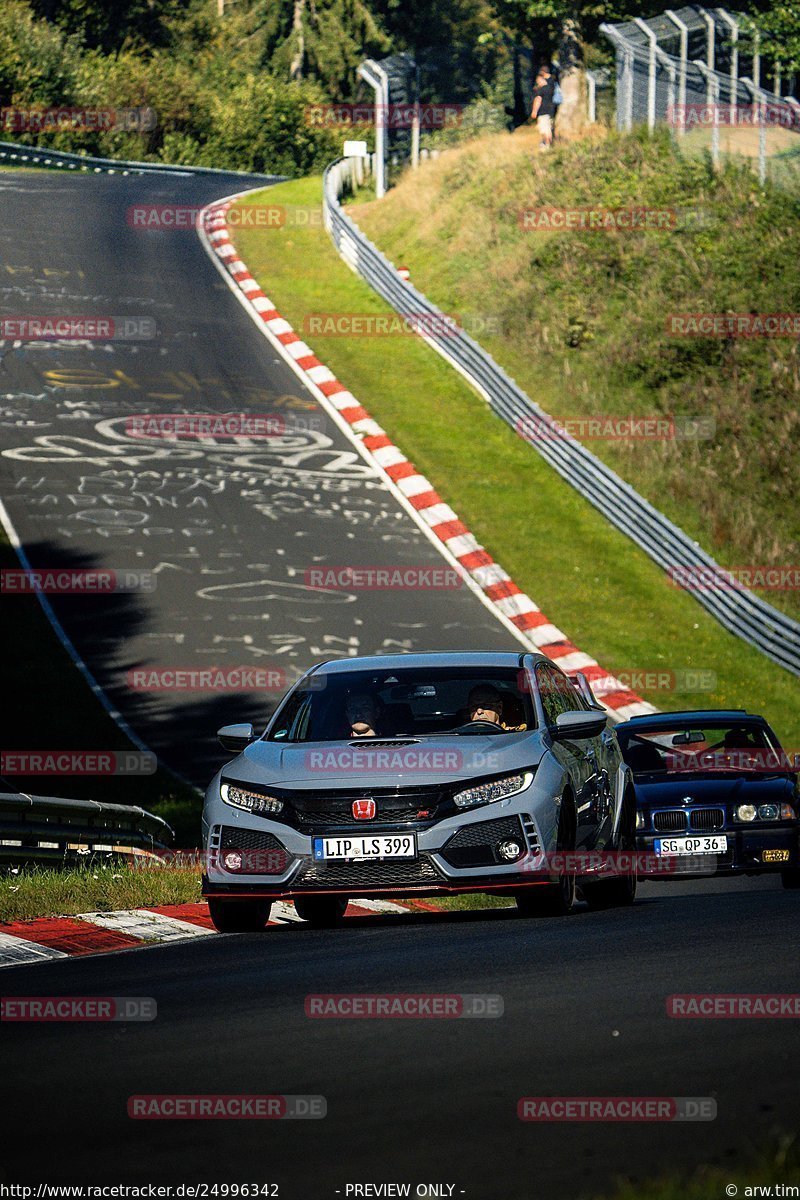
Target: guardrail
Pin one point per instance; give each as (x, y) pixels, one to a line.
(49, 830)
(39, 156)
(737, 609)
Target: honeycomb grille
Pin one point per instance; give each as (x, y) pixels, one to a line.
(474, 845)
(368, 874)
(326, 811)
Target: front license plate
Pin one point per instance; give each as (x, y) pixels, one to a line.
(691, 845)
(384, 845)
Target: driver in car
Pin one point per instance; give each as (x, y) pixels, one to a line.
(362, 713)
(485, 704)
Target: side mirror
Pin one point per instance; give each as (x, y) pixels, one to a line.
(236, 737)
(579, 724)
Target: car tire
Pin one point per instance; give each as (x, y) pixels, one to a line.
(321, 912)
(790, 878)
(239, 916)
(620, 891)
(554, 900)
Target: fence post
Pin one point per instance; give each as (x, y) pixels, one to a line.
(733, 25)
(651, 72)
(378, 80)
(712, 86)
(683, 29)
(711, 32)
(591, 83)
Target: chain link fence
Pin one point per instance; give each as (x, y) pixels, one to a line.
(699, 72)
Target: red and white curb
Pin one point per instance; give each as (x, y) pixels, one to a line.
(417, 495)
(26, 942)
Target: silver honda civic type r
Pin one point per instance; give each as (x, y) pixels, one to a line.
(421, 775)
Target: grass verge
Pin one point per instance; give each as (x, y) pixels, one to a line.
(97, 888)
(580, 318)
(600, 589)
(779, 1163)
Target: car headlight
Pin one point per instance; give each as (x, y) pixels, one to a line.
(498, 789)
(640, 821)
(764, 812)
(253, 802)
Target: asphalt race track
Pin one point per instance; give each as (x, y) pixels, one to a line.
(409, 1101)
(417, 1101)
(229, 529)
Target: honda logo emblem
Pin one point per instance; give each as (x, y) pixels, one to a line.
(363, 810)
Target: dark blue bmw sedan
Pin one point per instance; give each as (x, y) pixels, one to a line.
(715, 793)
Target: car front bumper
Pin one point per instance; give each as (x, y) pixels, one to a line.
(750, 851)
(454, 855)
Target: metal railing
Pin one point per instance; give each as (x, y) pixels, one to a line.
(52, 831)
(39, 156)
(737, 609)
(684, 69)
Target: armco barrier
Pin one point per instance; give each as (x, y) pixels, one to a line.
(48, 830)
(40, 156)
(737, 609)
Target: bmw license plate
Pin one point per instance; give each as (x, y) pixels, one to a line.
(384, 845)
(717, 844)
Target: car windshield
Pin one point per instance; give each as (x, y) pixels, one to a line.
(734, 746)
(406, 703)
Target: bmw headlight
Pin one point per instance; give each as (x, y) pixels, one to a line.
(764, 812)
(498, 789)
(253, 802)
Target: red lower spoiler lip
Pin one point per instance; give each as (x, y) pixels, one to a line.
(398, 893)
